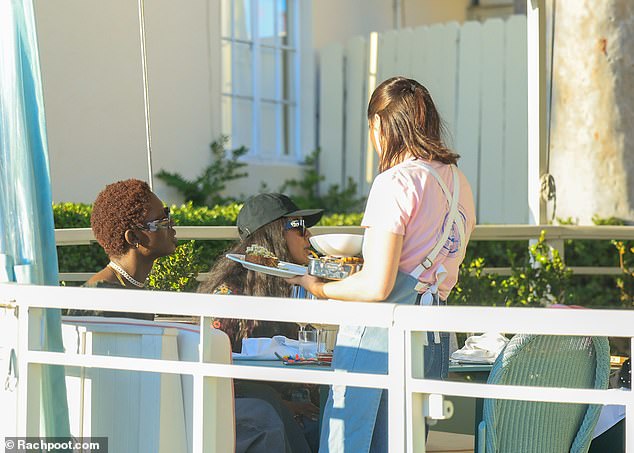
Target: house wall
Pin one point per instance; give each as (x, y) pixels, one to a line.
(427, 12)
(93, 88)
(336, 21)
(93, 92)
(94, 112)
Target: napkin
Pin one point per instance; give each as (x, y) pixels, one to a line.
(480, 348)
(265, 348)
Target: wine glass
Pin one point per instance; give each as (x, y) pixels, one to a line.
(299, 292)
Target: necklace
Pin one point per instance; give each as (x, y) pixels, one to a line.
(125, 275)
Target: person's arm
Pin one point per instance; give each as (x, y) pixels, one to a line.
(374, 282)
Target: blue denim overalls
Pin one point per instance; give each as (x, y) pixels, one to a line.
(355, 419)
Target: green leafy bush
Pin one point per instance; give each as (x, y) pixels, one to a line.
(625, 283)
(596, 290)
(475, 287)
(525, 286)
(77, 258)
(190, 258)
(178, 271)
(205, 189)
(537, 278)
(336, 199)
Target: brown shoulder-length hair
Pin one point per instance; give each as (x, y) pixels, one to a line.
(410, 123)
(250, 283)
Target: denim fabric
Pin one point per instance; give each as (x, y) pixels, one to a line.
(258, 428)
(355, 419)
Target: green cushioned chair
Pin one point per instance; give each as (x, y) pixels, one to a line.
(535, 427)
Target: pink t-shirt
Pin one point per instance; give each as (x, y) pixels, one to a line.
(408, 200)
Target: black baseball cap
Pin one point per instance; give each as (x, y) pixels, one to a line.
(264, 208)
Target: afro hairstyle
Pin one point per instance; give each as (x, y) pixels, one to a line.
(119, 207)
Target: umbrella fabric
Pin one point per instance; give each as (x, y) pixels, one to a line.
(27, 237)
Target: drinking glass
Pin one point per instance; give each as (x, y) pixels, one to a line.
(299, 292)
(326, 338)
(307, 344)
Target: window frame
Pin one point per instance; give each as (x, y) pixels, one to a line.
(287, 148)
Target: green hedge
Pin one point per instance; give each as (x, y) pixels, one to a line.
(527, 285)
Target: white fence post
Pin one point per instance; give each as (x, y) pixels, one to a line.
(356, 101)
(442, 59)
(421, 48)
(397, 397)
(331, 109)
(404, 44)
(515, 173)
(388, 51)
(491, 201)
(414, 369)
(467, 134)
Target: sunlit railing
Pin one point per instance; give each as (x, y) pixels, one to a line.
(555, 237)
(407, 389)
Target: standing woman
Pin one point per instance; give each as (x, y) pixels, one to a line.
(419, 216)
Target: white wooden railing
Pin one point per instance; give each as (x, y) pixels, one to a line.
(407, 389)
(555, 236)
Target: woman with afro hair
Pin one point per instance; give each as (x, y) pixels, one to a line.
(134, 229)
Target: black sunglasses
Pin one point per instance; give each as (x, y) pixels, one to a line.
(159, 224)
(296, 224)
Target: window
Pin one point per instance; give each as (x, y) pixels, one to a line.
(260, 77)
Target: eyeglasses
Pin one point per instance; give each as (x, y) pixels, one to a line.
(296, 224)
(159, 224)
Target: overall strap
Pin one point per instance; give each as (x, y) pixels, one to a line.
(430, 291)
(452, 217)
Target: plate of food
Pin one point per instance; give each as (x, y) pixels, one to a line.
(259, 259)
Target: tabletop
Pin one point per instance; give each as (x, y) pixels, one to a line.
(453, 367)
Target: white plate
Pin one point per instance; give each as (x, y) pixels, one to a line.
(284, 269)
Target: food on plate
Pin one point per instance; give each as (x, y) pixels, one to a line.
(349, 260)
(334, 268)
(260, 255)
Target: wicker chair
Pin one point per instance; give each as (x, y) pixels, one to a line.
(536, 427)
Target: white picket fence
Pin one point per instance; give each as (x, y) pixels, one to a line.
(476, 73)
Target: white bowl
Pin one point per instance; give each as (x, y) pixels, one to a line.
(338, 244)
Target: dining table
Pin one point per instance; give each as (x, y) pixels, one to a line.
(467, 411)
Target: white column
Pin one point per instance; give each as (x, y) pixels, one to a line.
(537, 152)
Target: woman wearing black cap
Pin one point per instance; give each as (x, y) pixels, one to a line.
(273, 221)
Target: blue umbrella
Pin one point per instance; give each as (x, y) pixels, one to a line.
(27, 236)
